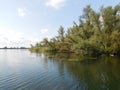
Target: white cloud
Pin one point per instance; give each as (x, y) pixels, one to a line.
(22, 12)
(44, 31)
(12, 38)
(56, 3)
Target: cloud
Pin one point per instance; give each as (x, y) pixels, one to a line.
(13, 38)
(57, 4)
(44, 31)
(22, 12)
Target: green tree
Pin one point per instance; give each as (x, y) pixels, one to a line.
(61, 33)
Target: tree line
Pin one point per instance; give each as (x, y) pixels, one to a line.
(96, 33)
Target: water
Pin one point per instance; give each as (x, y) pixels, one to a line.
(22, 70)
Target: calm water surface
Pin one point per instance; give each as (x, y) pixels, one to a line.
(22, 70)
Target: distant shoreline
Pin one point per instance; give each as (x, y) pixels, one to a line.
(14, 48)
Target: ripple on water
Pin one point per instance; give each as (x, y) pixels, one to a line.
(41, 73)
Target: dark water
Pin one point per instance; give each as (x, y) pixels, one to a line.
(22, 70)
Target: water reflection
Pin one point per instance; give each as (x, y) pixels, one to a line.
(93, 74)
(23, 70)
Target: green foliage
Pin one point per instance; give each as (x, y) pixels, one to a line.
(96, 33)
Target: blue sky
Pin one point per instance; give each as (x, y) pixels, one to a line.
(25, 22)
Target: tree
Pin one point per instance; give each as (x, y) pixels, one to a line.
(115, 41)
(96, 33)
(61, 33)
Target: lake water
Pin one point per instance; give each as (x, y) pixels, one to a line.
(23, 70)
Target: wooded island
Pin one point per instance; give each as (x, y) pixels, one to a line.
(96, 33)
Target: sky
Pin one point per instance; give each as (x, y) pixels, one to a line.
(25, 22)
